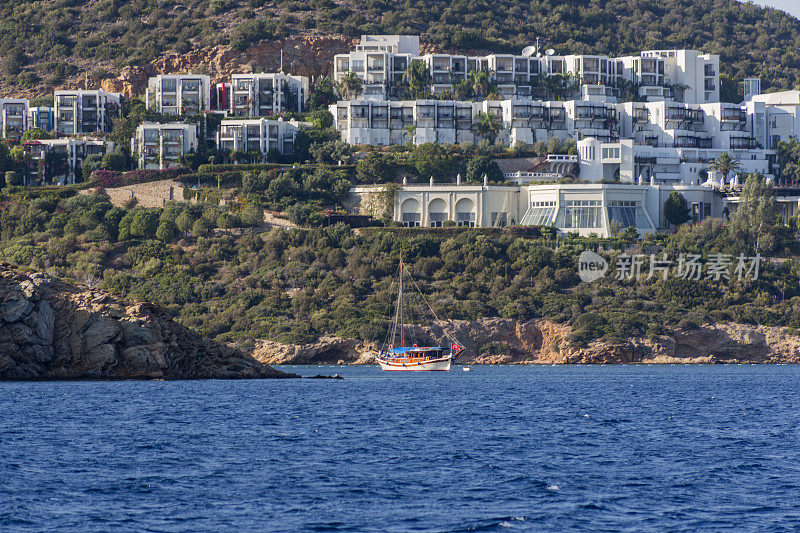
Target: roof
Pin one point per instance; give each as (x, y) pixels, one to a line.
(517, 164)
(415, 349)
(779, 98)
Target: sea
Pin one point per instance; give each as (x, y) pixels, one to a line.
(498, 448)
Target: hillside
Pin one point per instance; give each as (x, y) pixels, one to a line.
(297, 285)
(48, 43)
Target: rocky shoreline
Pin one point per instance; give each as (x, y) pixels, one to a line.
(50, 330)
(545, 342)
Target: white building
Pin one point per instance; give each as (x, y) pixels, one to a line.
(42, 117)
(693, 75)
(58, 161)
(13, 117)
(179, 94)
(586, 209)
(774, 117)
(85, 111)
(259, 135)
(159, 146)
(261, 95)
(381, 62)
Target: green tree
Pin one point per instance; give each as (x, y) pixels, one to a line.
(12, 178)
(374, 168)
(201, 228)
(487, 126)
(418, 80)
(184, 222)
(36, 133)
(724, 163)
(331, 152)
(480, 166)
(431, 159)
(479, 82)
(751, 226)
(90, 164)
(322, 94)
(253, 213)
(676, 210)
(350, 86)
(144, 223)
(116, 160)
(166, 231)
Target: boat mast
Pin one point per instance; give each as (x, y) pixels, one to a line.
(402, 337)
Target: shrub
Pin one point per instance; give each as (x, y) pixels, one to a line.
(166, 231)
(201, 228)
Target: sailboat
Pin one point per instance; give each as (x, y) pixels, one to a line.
(413, 358)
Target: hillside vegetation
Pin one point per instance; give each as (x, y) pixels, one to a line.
(44, 42)
(296, 285)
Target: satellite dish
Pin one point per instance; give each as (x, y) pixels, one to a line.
(549, 52)
(528, 51)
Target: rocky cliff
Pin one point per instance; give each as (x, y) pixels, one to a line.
(305, 55)
(501, 341)
(53, 330)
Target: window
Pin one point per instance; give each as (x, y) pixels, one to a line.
(437, 219)
(169, 85)
(540, 214)
(628, 213)
(610, 153)
(499, 219)
(411, 220)
(579, 214)
(465, 219)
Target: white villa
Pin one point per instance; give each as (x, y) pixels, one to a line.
(179, 94)
(261, 95)
(259, 135)
(159, 146)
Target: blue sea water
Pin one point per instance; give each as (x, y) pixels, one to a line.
(633, 448)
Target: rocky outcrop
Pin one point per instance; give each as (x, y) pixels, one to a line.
(53, 330)
(308, 55)
(327, 350)
(504, 341)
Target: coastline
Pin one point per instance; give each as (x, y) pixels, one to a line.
(544, 342)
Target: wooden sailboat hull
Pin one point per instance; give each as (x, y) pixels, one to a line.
(402, 365)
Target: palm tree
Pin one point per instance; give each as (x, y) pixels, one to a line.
(411, 130)
(724, 163)
(418, 80)
(487, 125)
(479, 82)
(350, 85)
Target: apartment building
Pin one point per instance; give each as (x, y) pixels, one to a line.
(690, 76)
(628, 162)
(179, 94)
(384, 123)
(58, 161)
(85, 111)
(259, 135)
(380, 61)
(13, 117)
(774, 117)
(261, 95)
(159, 146)
(693, 75)
(41, 117)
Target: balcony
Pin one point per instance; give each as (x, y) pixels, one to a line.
(743, 143)
(734, 115)
(641, 116)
